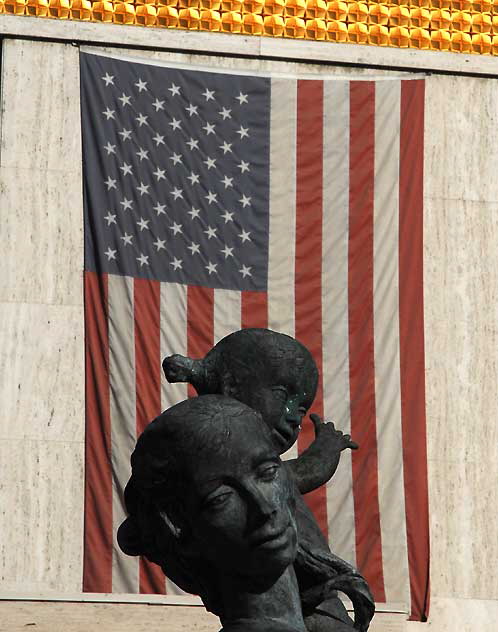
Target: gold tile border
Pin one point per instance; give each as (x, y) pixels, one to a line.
(463, 26)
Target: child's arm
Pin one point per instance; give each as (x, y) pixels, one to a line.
(318, 463)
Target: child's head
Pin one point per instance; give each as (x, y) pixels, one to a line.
(269, 371)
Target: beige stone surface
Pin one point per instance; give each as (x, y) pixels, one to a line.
(41, 515)
(42, 368)
(81, 617)
(40, 110)
(41, 236)
(461, 135)
(459, 615)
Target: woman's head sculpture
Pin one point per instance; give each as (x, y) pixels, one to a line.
(209, 499)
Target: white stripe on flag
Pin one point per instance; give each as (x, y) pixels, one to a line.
(173, 337)
(173, 340)
(123, 424)
(340, 502)
(282, 239)
(386, 336)
(227, 314)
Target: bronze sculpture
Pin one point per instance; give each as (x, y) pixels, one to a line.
(276, 376)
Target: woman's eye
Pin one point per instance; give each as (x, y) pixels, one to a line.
(216, 502)
(269, 473)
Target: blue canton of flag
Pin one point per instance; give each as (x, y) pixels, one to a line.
(176, 173)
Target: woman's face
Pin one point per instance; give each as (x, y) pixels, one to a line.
(241, 506)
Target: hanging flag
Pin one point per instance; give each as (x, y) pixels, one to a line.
(215, 201)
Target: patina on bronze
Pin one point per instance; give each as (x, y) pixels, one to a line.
(277, 376)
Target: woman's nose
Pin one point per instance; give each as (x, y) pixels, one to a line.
(262, 505)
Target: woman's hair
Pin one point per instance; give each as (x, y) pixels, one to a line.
(157, 526)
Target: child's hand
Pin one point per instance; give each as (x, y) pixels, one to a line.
(335, 438)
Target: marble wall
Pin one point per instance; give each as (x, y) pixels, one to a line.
(41, 348)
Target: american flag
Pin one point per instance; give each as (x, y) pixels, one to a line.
(217, 200)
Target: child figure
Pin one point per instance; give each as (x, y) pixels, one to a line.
(276, 375)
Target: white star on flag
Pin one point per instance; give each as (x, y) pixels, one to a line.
(110, 254)
(141, 120)
(110, 218)
(159, 244)
(177, 263)
(158, 139)
(143, 188)
(159, 208)
(159, 173)
(109, 79)
(245, 201)
(209, 127)
(108, 113)
(125, 99)
(143, 260)
(141, 85)
(208, 95)
(243, 132)
(210, 232)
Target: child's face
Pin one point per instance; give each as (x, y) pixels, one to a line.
(283, 407)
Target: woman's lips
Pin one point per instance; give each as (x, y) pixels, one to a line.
(270, 539)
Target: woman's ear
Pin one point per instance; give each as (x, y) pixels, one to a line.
(129, 537)
(181, 533)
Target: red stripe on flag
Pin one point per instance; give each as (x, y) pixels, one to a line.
(361, 335)
(200, 323)
(97, 554)
(411, 322)
(254, 309)
(147, 302)
(308, 270)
